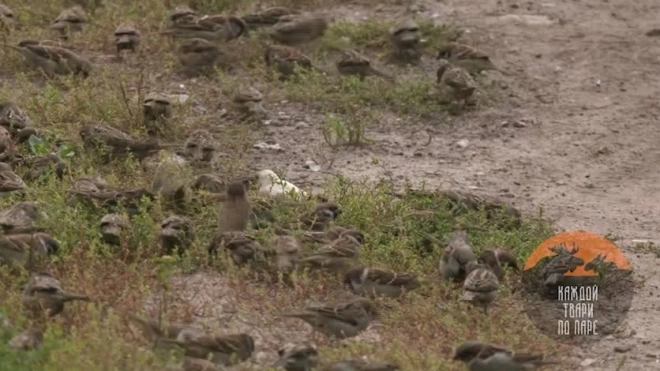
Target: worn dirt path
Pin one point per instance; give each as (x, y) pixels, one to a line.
(585, 81)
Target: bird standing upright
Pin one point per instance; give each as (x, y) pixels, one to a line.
(235, 210)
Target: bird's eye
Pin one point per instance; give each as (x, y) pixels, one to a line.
(192, 146)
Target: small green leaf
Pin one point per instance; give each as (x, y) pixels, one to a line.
(66, 151)
(37, 146)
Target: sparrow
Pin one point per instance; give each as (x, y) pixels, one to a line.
(182, 13)
(198, 57)
(480, 356)
(117, 144)
(9, 181)
(497, 259)
(171, 180)
(8, 17)
(465, 56)
(480, 286)
(7, 149)
(43, 294)
(70, 20)
(286, 60)
(40, 166)
(157, 110)
(297, 29)
(352, 63)
(377, 282)
(267, 17)
(331, 234)
(320, 219)
(198, 364)
(288, 251)
(235, 210)
(176, 233)
(271, 185)
(223, 350)
(249, 102)
(153, 332)
(200, 146)
(211, 28)
(461, 202)
(209, 182)
(92, 189)
(127, 37)
(52, 60)
(405, 34)
(13, 118)
(455, 82)
(20, 217)
(113, 227)
(456, 256)
(340, 321)
(29, 339)
(297, 357)
(563, 262)
(339, 255)
(361, 365)
(21, 249)
(242, 248)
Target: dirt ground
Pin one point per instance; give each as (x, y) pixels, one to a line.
(577, 137)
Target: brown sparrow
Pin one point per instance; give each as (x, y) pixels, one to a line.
(118, 143)
(210, 183)
(352, 63)
(43, 294)
(153, 332)
(338, 255)
(406, 39)
(497, 259)
(377, 282)
(456, 256)
(21, 249)
(286, 59)
(361, 365)
(297, 357)
(20, 217)
(40, 166)
(563, 262)
(223, 350)
(331, 234)
(288, 250)
(92, 189)
(320, 219)
(29, 339)
(297, 29)
(113, 227)
(455, 82)
(249, 102)
(211, 28)
(127, 37)
(341, 321)
(9, 181)
(70, 20)
(52, 60)
(171, 180)
(8, 17)
(13, 118)
(480, 286)
(198, 364)
(198, 57)
(467, 57)
(7, 149)
(181, 13)
(234, 26)
(481, 356)
(241, 247)
(267, 17)
(235, 210)
(176, 233)
(157, 110)
(199, 146)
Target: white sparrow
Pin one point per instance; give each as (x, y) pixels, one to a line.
(341, 321)
(297, 29)
(223, 350)
(456, 256)
(480, 356)
(53, 60)
(286, 60)
(176, 233)
(127, 37)
(235, 210)
(378, 282)
(43, 294)
(480, 286)
(70, 20)
(113, 228)
(297, 357)
(271, 185)
(455, 82)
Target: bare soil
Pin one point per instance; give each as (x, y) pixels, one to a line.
(576, 137)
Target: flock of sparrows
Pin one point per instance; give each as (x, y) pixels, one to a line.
(171, 168)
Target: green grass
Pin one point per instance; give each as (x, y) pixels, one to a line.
(419, 332)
